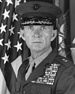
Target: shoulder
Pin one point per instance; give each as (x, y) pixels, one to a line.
(67, 77)
(63, 61)
(66, 66)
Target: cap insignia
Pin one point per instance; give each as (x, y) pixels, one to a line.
(36, 6)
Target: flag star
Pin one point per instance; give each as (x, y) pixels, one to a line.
(6, 14)
(9, 2)
(5, 58)
(1, 40)
(2, 28)
(11, 30)
(8, 44)
(73, 41)
(18, 46)
(0, 0)
(21, 34)
(15, 17)
(24, 1)
(17, 2)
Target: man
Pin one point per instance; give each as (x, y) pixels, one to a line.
(44, 72)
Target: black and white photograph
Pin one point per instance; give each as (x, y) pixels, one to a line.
(37, 46)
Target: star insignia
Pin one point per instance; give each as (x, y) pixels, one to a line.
(15, 17)
(1, 40)
(65, 60)
(5, 58)
(18, 46)
(9, 2)
(2, 28)
(8, 44)
(6, 14)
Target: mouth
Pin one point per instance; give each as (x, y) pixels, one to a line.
(36, 42)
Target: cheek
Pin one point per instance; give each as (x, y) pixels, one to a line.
(28, 38)
(47, 36)
(47, 39)
(27, 34)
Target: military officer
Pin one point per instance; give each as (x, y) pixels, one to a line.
(44, 72)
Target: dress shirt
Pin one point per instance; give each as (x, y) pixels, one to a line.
(39, 59)
(36, 62)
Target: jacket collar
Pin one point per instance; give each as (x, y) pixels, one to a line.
(39, 59)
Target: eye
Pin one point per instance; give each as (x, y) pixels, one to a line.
(43, 27)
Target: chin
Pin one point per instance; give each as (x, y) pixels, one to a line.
(37, 49)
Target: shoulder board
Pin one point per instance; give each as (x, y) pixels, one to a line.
(63, 61)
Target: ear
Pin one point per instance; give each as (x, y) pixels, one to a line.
(22, 34)
(54, 34)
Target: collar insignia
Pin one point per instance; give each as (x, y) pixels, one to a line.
(65, 60)
(36, 6)
(50, 74)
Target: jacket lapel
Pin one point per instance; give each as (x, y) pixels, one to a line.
(40, 70)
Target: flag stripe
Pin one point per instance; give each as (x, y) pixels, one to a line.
(10, 77)
(3, 87)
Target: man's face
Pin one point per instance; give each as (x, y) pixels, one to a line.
(38, 37)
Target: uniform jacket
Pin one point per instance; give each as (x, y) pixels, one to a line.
(54, 75)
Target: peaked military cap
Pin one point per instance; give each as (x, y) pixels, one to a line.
(38, 12)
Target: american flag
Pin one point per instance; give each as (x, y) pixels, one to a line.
(11, 43)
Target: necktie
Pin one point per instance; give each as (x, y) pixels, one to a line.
(32, 66)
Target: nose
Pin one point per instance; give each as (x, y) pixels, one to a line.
(37, 31)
